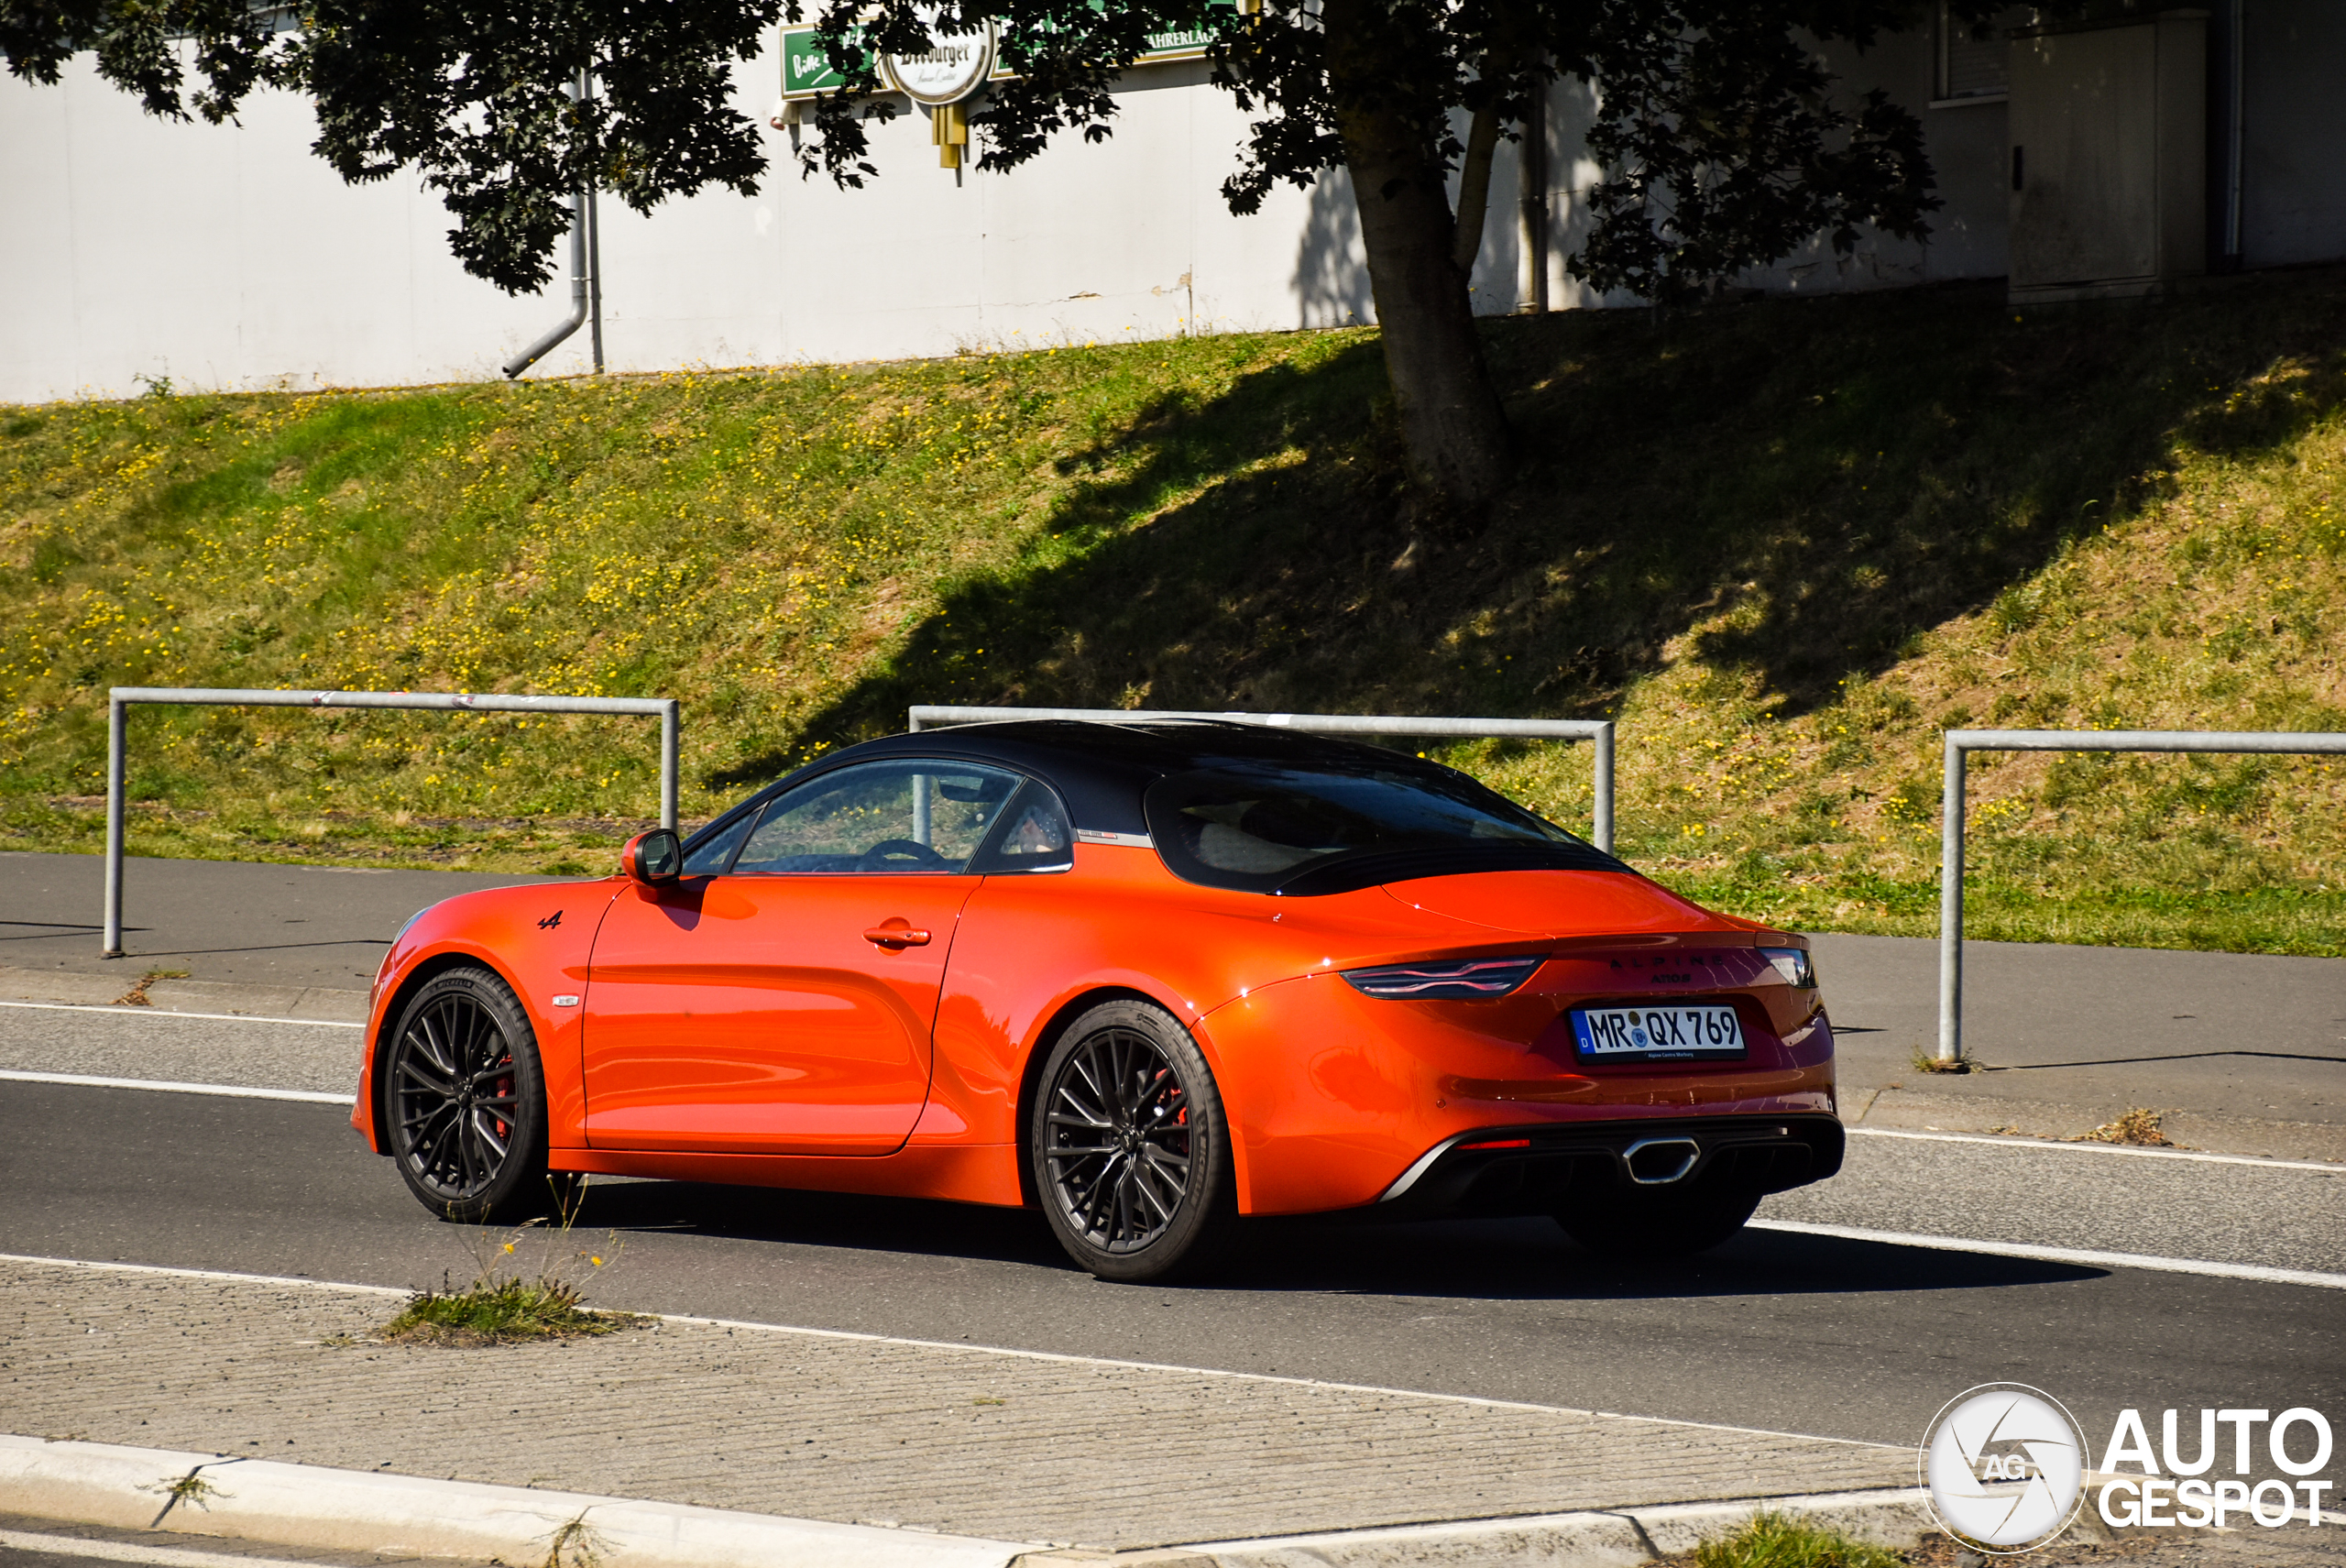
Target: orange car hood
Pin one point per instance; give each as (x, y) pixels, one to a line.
(1560, 903)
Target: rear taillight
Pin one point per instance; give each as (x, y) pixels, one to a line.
(1451, 980)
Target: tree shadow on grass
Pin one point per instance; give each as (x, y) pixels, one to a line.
(1803, 486)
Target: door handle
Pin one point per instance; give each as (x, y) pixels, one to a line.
(896, 937)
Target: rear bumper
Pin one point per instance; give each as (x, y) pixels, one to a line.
(1529, 1169)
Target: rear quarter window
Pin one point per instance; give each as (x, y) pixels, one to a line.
(1269, 828)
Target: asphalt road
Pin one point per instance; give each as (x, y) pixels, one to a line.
(1833, 1337)
(2225, 1034)
(2103, 1029)
(237, 922)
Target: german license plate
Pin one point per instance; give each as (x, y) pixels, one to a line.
(1685, 1032)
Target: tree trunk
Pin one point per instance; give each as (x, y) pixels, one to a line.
(1452, 423)
(1475, 190)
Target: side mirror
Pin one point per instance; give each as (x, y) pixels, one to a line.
(653, 858)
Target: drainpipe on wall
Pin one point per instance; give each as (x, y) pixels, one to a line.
(586, 275)
(594, 268)
(2237, 132)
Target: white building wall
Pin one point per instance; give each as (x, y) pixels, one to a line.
(231, 256)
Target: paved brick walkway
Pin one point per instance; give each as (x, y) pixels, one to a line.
(972, 1442)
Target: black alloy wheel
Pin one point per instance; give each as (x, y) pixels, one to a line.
(1131, 1149)
(466, 1101)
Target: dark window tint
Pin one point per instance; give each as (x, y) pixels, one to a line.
(909, 815)
(1035, 836)
(1271, 828)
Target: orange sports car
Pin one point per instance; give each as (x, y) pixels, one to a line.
(1146, 978)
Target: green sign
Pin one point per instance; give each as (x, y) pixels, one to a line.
(806, 70)
(1187, 43)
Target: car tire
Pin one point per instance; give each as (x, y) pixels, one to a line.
(1641, 1225)
(464, 1102)
(1130, 1148)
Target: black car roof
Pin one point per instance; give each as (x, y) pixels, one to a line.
(1101, 769)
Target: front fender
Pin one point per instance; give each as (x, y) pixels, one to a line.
(535, 938)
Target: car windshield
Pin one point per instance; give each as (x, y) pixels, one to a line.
(1267, 827)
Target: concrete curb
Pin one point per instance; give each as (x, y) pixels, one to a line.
(1608, 1539)
(264, 1501)
(346, 1511)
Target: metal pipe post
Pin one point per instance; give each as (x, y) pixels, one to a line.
(668, 710)
(1951, 907)
(117, 719)
(2257, 742)
(669, 715)
(1602, 816)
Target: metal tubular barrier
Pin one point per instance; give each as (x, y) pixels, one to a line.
(1599, 730)
(118, 714)
(1959, 742)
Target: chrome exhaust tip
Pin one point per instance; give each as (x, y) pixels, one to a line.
(1657, 1162)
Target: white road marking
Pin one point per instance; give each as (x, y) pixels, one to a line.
(151, 1011)
(2024, 1142)
(127, 1552)
(203, 1273)
(231, 1090)
(2255, 1271)
(1003, 1351)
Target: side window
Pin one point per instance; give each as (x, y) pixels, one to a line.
(903, 815)
(710, 854)
(1034, 837)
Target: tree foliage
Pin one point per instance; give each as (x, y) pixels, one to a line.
(481, 101)
(1724, 148)
(1725, 143)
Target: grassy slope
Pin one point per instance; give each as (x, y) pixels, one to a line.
(1783, 543)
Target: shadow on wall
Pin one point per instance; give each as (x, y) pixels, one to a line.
(1331, 285)
(1572, 109)
(1332, 281)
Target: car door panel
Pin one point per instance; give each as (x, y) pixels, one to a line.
(751, 1014)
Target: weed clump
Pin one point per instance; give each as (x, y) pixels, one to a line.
(503, 1311)
(1924, 1061)
(2138, 1127)
(137, 995)
(513, 1304)
(1779, 1540)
